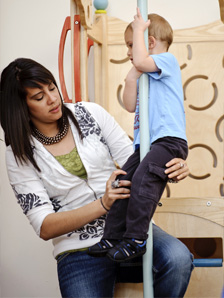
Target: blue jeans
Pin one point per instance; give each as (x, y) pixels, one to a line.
(81, 275)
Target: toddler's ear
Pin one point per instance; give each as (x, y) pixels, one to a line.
(152, 42)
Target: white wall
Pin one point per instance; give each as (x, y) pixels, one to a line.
(32, 28)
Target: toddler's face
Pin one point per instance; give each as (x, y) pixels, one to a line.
(128, 37)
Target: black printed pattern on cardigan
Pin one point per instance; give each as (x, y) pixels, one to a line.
(28, 201)
(92, 230)
(88, 126)
(87, 123)
(56, 204)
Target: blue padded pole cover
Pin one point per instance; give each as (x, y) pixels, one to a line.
(207, 262)
(144, 148)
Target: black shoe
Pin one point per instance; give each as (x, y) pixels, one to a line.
(127, 250)
(101, 248)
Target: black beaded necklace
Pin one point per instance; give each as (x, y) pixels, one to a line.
(51, 140)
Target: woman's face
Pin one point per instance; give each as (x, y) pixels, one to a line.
(44, 104)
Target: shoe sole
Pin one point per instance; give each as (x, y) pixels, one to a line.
(128, 258)
(101, 254)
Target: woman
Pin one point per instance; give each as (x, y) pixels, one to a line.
(59, 159)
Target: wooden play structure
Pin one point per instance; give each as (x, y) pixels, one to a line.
(192, 210)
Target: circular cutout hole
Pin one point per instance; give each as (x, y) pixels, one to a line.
(204, 247)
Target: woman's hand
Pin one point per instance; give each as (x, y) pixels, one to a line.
(177, 169)
(113, 194)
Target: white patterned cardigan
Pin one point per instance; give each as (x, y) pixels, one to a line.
(55, 190)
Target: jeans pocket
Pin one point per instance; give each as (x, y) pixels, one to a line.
(62, 256)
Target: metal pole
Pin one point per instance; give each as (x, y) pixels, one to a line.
(144, 148)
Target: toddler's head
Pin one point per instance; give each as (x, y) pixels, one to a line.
(159, 28)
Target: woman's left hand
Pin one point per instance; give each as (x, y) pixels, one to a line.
(177, 169)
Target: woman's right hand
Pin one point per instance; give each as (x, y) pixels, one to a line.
(113, 194)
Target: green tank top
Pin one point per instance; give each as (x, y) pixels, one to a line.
(72, 163)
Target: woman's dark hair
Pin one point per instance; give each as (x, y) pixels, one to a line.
(14, 114)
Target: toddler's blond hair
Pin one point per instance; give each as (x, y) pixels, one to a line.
(159, 28)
